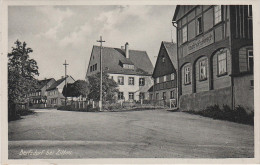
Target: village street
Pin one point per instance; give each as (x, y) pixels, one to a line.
(147, 134)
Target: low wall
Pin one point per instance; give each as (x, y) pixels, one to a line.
(199, 101)
(244, 92)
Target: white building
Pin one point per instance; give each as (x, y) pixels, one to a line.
(131, 69)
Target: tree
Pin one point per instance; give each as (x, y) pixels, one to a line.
(109, 87)
(21, 73)
(76, 89)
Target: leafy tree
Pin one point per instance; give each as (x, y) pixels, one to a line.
(109, 87)
(21, 73)
(76, 89)
(81, 88)
(69, 91)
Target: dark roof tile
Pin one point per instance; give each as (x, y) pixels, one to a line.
(111, 58)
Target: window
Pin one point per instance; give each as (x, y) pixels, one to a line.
(172, 94)
(127, 66)
(141, 96)
(250, 60)
(203, 69)
(141, 81)
(222, 63)
(184, 34)
(187, 75)
(249, 10)
(172, 76)
(164, 96)
(217, 14)
(199, 25)
(131, 95)
(95, 66)
(120, 80)
(131, 81)
(157, 80)
(164, 78)
(120, 95)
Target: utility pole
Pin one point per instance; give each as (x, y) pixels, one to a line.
(100, 99)
(65, 64)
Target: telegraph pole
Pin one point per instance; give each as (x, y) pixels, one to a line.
(65, 64)
(100, 99)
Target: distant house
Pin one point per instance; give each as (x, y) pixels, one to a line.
(131, 69)
(38, 98)
(54, 92)
(165, 74)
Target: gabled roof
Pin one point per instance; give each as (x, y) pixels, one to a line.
(170, 65)
(112, 57)
(57, 83)
(171, 49)
(42, 83)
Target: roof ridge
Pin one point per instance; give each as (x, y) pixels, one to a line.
(120, 48)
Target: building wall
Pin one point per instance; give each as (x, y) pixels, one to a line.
(56, 94)
(199, 101)
(244, 92)
(133, 88)
(216, 38)
(159, 93)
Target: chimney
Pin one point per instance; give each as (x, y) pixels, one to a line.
(126, 50)
(62, 76)
(122, 47)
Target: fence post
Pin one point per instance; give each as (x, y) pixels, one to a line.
(93, 104)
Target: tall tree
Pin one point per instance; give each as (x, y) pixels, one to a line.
(21, 74)
(109, 87)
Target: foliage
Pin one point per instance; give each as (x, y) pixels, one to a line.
(89, 108)
(109, 87)
(76, 89)
(238, 115)
(21, 73)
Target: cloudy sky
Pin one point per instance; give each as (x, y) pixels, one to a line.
(56, 33)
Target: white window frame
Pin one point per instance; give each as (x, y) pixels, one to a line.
(172, 94)
(141, 81)
(222, 64)
(203, 69)
(120, 82)
(187, 75)
(250, 56)
(131, 94)
(157, 80)
(120, 97)
(164, 78)
(131, 81)
(172, 76)
(217, 14)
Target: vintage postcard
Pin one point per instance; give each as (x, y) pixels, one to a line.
(129, 82)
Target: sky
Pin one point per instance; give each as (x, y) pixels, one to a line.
(59, 33)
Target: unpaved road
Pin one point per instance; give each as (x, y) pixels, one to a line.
(137, 134)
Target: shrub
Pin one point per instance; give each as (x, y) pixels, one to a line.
(238, 115)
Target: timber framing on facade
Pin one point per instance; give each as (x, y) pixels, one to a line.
(215, 56)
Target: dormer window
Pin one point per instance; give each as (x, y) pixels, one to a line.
(128, 66)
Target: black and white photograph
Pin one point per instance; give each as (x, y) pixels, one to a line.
(126, 81)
